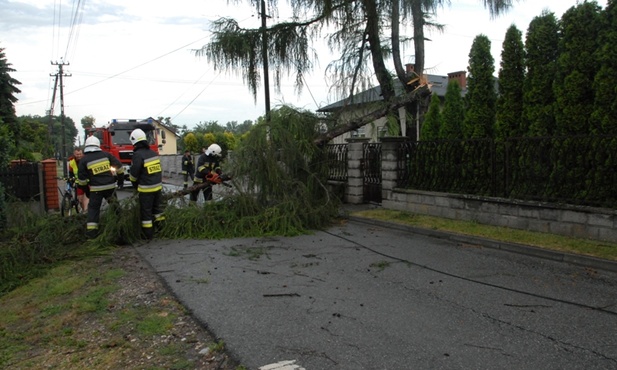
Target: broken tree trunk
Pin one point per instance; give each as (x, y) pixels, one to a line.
(420, 92)
(190, 189)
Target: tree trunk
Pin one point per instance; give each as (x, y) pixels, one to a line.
(422, 92)
(372, 33)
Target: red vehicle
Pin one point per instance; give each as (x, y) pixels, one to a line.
(115, 138)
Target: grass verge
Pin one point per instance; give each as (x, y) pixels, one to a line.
(100, 313)
(588, 247)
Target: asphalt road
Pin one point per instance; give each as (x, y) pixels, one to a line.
(360, 296)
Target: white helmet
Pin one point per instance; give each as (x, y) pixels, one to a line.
(92, 144)
(214, 149)
(137, 135)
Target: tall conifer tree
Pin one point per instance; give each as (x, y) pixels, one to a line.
(541, 62)
(481, 96)
(432, 120)
(9, 129)
(511, 79)
(576, 68)
(604, 116)
(453, 113)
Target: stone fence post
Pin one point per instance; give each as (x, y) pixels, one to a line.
(389, 164)
(355, 174)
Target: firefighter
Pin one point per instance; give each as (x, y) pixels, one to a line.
(95, 177)
(207, 165)
(188, 168)
(78, 154)
(146, 175)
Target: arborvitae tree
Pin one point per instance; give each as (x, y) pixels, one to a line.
(453, 113)
(481, 95)
(511, 79)
(8, 89)
(576, 68)
(541, 62)
(604, 116)
(432, 120)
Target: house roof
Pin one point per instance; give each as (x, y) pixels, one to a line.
(166, 127)
(439, 85)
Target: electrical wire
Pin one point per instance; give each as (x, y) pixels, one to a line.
(195, 98)
(135, 67)
(55, 34)
(181, 95)
(77, 17)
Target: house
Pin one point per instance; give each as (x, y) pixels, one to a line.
(168, 137)
(366, 101)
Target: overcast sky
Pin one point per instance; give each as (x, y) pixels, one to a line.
(134, 59)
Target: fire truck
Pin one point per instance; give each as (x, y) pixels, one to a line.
(115, 138)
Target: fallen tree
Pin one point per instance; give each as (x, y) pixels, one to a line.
(420, 92)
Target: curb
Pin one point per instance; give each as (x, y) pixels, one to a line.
(574, 259)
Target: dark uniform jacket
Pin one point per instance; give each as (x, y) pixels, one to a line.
(187, 164)
(95, 171)
(146, 173)
(206, 164)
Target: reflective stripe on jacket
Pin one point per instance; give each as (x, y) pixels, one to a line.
(94, 169)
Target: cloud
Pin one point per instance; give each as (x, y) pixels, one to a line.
(18, 15)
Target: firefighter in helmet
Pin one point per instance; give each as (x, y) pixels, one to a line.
(146, 175)
(96, 178)
(207, 165)
(188, 168)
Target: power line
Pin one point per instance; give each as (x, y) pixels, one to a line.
(178, 98)
(137, 66)
(195, 98)
(77, 16)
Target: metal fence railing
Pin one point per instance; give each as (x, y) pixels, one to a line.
(21, 181)
(580, 170)
(337, 161)
(371, 170)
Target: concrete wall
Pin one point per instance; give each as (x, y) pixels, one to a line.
(172, 164)
(573, 221)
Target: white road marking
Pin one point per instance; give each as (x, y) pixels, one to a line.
(283, 365)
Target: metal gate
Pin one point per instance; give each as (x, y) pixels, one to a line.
(371, 169)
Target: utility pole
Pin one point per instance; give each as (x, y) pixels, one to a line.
(59, 82)
(264, 56)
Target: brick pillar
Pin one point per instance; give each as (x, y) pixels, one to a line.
(389, 164)
(50, 181)
(355, 175)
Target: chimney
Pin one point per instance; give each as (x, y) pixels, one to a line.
(409, 68)
(460, 77)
